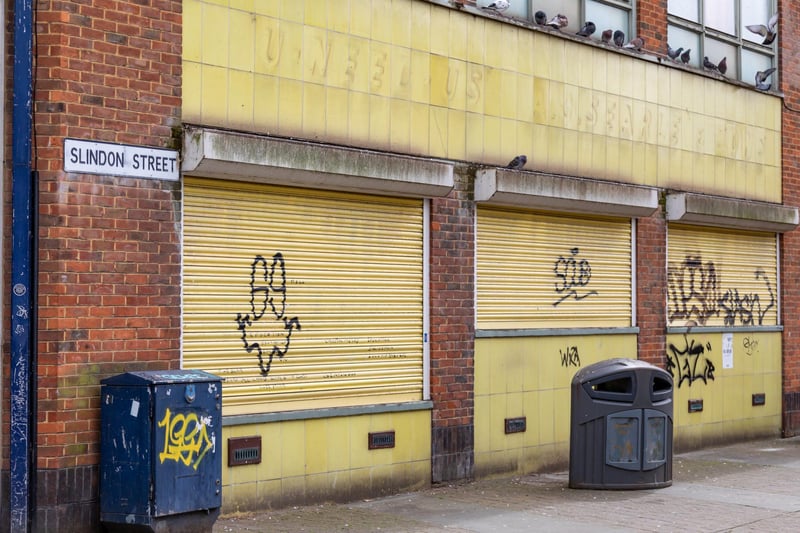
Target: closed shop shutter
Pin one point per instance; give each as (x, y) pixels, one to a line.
(552, 271)
(302, 298)
(721, 277)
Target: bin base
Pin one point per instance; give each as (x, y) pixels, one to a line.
(194, 522)
(626, 486)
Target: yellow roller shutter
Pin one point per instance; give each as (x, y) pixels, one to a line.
(549, 271)
(720, 277)
(302, 298)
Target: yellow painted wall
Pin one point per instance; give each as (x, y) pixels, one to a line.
(531, 377)
(414, 77)
(728, 413)
(327, 459)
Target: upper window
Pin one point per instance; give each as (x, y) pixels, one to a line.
(718, 29)
(606, 14)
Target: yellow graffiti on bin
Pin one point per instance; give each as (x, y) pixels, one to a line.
(186, 438)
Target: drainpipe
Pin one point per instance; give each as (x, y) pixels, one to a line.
(22, 474)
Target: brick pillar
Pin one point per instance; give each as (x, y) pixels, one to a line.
(789, 44)
(651, 23)
(452, 317)
(651, 288)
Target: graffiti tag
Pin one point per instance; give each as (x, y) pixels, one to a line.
(689, 362)
(572, 275)
(696, 294)
(750, 345)
(267, 291)
(570, 356)
(186, 438)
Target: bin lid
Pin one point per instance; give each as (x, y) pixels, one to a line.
(155, 377)
(612, 366)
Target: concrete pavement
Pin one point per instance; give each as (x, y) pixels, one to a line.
(753, 486)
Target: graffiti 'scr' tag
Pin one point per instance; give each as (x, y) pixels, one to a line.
(135, 408)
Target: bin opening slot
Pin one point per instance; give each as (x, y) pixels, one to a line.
(661, 388)
(618, 387)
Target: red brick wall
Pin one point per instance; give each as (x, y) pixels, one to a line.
(651, 20)
(651, 288)
(452, 331)
(109, 283)
(789, 44)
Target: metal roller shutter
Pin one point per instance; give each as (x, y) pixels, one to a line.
(302, 298)
(720, 277)
(552, 271)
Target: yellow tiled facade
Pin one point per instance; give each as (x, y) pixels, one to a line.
(531, 377)
(414, 77)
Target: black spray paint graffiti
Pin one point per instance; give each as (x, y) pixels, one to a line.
(572, 274)
(696, 294)
(267, 289)
(570, 356)
(689, 362)
(750, 345)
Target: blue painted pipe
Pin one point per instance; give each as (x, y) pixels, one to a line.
(22, 473)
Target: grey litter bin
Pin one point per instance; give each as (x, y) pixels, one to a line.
(621, 426)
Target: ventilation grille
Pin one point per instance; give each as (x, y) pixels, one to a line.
(244, 451)
(516, 425)
(382, 439)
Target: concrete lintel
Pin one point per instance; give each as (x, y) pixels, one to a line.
(247, 157)
(561, 193)
(706, 210)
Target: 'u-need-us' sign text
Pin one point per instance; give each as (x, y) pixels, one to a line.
(91, 157)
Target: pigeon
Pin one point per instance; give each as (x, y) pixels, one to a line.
(708, 65)
(518, 162)
(558, 22)
(498, 6)
(767, 32)
(606, 36)
(685, 56)
(619, 38)
(723, 66)
(540, 18)
(673, 54)
(587, 29)
(761, 78)
(635, 44)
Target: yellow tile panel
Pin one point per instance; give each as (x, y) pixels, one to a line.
(439, 30)
(475, 88)
(240, 99)
(571, 107)
(314, 102)
(290, 106)
(294, 11)
(358, 70)
(192, 98)
(421, 25)
(401, 73)
(316, 13)
(508, 94)
(439, 70)
(213, 104)
(338, 15)
(380, 69)
(420, 77)
(400, 126)
(215, 35)
(401, 23)
(458, 38)
(438, 132)
(555, 104)
(456, 134)
(268, 45)
(382, 22)
(493, 84)
(316, 54)
(361, 18)
(241, 39)
(525, 53)
(379, 120)
(293, 449)
(456, 84)
(420, 129)
(265, 100)
(192, 40)
(492, 148)
(290, 50)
